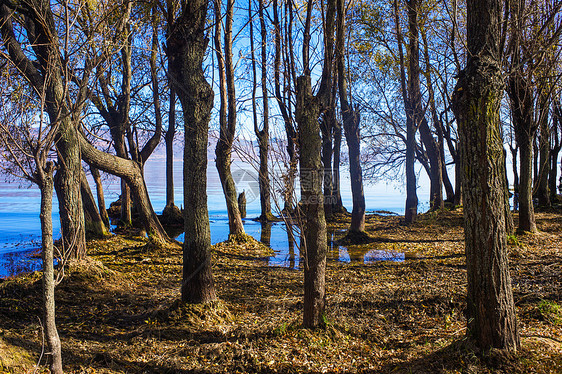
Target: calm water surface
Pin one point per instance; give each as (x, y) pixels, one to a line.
(20, 231)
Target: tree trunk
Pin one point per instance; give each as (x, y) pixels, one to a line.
(314, 236)
(327, 101)
(336, 187)
(68, 192)
(289, 180)
(526, 209)
(351, 127)
(130, 172)
(227, 119)
(263, 134)
(543, 194)
(169, 139)
(477, 99)
(186, 48)
(411, 209)
(515, 177)
(556, 146)
(100, 195)
(435, 167)
(51, 333)
(458, 182)
(92, 219)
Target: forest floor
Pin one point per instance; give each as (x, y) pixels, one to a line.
(119, 313)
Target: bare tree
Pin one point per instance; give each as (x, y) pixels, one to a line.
(227, 116)
(314, 236)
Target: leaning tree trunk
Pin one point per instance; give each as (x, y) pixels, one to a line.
(477, 99)
(100, 195)
(186, 48)
(314, 236)
(92, 219)
(130, 172)
(51, 333)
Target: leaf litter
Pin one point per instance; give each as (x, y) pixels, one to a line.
(120, 311)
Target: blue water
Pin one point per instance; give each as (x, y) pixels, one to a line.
(20, 232)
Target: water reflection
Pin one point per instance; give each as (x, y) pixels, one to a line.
(265, 236)
(283, 241)
(14, 263)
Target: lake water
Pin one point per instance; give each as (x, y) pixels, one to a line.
(20, 232)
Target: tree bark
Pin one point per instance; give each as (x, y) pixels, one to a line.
(100, 195)
(314, 236)
(522, 106)
(289, 180)
(543, 194)
(68, 193)
(411, 209)
(227, 117)
(263, 134)
(51, 333)
(327, 102)
(130, 172)
(556, 146)
(477, 98)
(93, 222)
(186, 50)
(169, 140)
(337, 206)
(351, 127)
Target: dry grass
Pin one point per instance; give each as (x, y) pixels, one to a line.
(120, 313)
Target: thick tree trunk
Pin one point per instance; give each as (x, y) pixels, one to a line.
(92, 218)
(477, 98)
(129, 171)
(68, 192)
(51, 333)
(100, 195)
(186, 50)
(314, 236)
